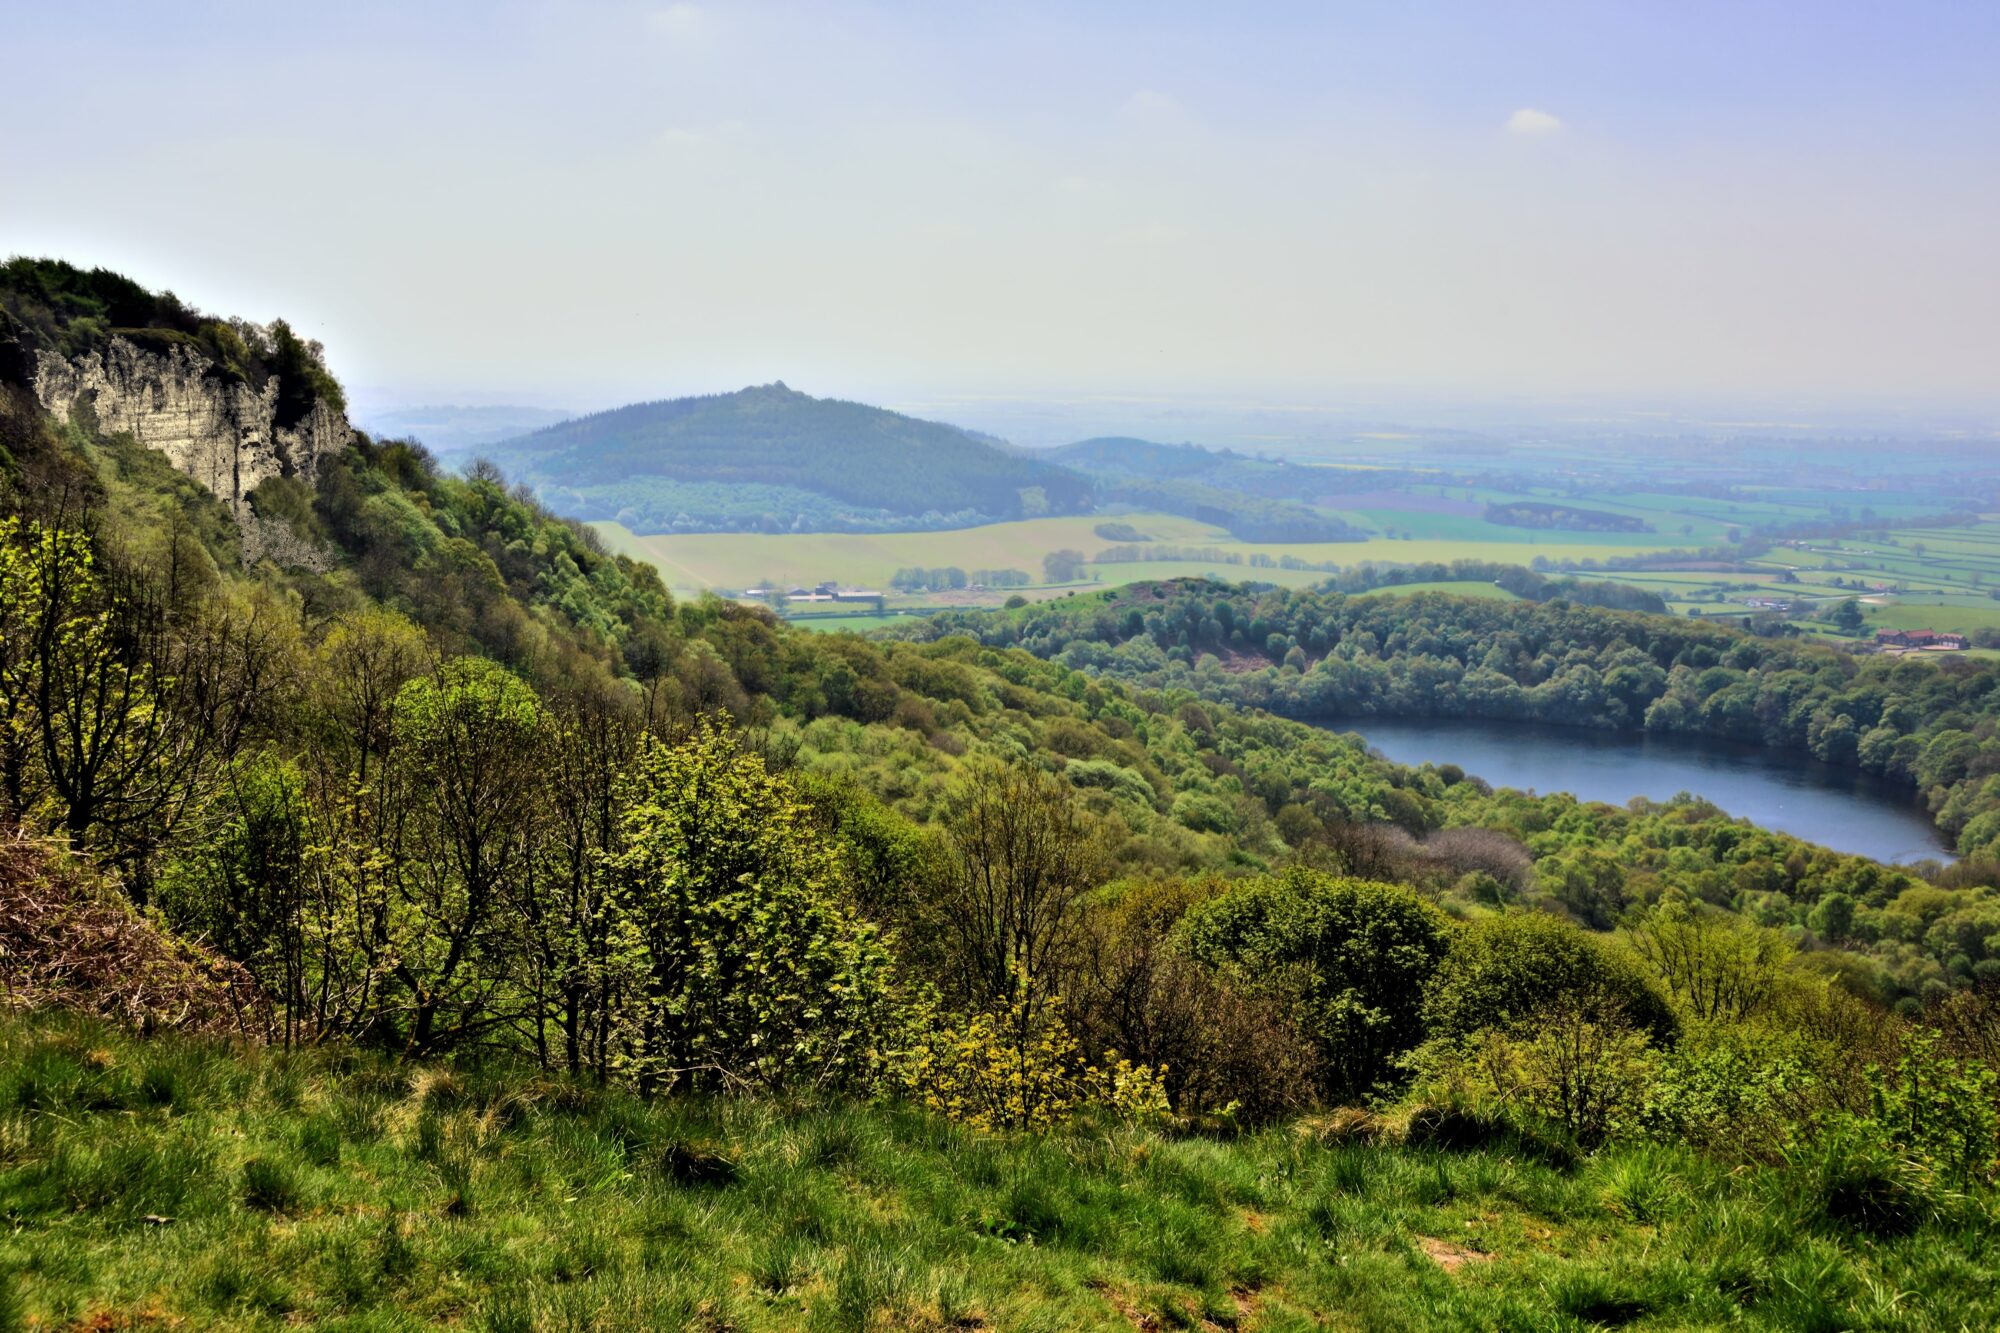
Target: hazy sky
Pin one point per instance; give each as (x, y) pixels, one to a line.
(591, 202)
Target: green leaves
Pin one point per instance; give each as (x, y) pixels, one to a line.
(1355, 957)
(752, 968)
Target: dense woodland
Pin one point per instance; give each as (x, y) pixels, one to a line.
(465, 790)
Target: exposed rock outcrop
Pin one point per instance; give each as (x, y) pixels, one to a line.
(219, 431)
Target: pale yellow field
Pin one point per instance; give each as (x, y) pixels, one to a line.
(741, 560)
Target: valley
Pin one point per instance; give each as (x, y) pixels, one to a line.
(761, 667)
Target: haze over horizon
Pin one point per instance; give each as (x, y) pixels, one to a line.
(590, 204)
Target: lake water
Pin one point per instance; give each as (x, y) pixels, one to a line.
(1835, 807)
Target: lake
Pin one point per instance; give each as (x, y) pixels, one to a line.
(1839, 808)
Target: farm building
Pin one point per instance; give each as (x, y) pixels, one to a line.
(1942, 641)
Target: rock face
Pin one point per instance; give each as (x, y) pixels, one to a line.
(222, 433)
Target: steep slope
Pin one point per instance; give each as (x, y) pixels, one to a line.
(772, 459)
(230, 404)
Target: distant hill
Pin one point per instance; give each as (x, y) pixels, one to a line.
(772, 459)
(448, 430)
(1247, 496)
(1144, 458)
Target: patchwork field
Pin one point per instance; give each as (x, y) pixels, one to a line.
(692, 563)
(1904, 578)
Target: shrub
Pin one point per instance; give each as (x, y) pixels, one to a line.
(1352, 955)
(1019, 1067)
(756, 971)
(1505, 969)
(1939, 1110)
(1227, 1052)
(1576, 1066)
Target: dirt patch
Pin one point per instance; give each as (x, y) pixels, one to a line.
(1133, 1315)
(1448, 1256)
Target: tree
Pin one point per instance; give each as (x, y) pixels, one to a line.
(1848, 617)
(468, 741)
(1062, 566)
(1022, 860)
(1504, 970)
(569, 920)
(1718, 966)
(121, 702)
(748, 967)
(364, 661)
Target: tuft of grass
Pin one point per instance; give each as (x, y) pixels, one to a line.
(319, 1141)
(13, 1304)
(269, 1186)
(695, 1165)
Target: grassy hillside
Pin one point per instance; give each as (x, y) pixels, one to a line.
(181, 1184)
(772, 459)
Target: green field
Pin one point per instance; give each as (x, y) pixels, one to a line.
(858, 623)
(696, 562)
(1905, 578)
(1456, 587)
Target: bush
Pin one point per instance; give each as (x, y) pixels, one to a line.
(1939, 1110)
(1505, 969)
(1228, 1053)
(757, 973)
(1019, 1067)
(1577, 1067)
(1740, 1092)
(1354, 957)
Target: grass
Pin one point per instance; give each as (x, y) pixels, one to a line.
(176, 1184)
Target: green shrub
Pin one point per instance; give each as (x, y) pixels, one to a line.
(756, 971)
(1939, 1110)
(1019, 1067)
(1504, 969)
(1352, 955)
(1741, 1092)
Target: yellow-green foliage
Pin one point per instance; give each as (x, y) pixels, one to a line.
(1020, 1067)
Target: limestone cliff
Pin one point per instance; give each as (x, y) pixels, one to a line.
(217, 430)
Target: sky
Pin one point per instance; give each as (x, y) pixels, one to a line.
(583, 203)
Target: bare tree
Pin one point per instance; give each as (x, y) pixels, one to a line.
(1023, 859)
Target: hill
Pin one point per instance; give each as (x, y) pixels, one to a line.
(771, 459)
(186, 1182)
(1249, 497)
